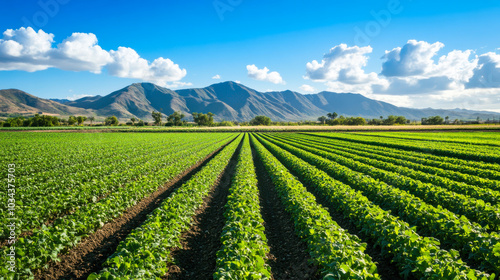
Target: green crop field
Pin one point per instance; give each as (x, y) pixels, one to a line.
(269, 205)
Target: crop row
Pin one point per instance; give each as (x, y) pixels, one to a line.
(244, 250)
(146, 250)
(459, 233)
(339, 254)
(476, 138)
(414, 255)
(474, 209)
(475, 168)
(62, 149)
(467, 150)
(436, 149)
(81, 170)
(482, 188)
(48, 242)
(58, 199)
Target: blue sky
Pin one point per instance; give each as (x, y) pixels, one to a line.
(186, 43)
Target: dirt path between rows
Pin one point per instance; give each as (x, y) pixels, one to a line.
(88, 256)
(197, 257)
(288, 255)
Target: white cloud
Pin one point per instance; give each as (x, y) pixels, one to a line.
(178, 84)
(216, 77)
(414, 58)
(27, 50)
(414, 64)
(80, 52)
(77, 96)
(403, 101)
(343, 64)
(264, 74)
(307, 88)
(24, 49)
(341, 87)
(455, 65)
(342, 70)
(414, 76)
(237, 82)
(413, 85)
(487, 73)
(126, 63)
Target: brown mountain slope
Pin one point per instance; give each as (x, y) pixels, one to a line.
(13, 101)
(228, 101)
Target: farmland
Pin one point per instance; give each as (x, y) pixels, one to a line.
(267, 205)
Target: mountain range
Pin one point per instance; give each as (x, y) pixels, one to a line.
(228, 101)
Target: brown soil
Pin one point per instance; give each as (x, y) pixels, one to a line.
(288, 255)
(197, 257)
(88, 256)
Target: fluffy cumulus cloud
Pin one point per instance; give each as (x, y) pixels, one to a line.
(487, 73)
(27, 50)
(216, 77)
(264, 75)
(80, 52)
(127, 63)
(307, 88)
(342, 69)
(412, 69)
(413, 75)
(414, 58)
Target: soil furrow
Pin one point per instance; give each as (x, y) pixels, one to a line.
(197, 257)
(288, 255)
(89, 255)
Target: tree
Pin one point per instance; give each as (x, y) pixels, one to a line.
(447, 120)
(260, 120)
(322, 119)
(436, 120)
(112, 121)
(374, 122)
(81, 119)
(355, 121)
(63, 121)
(156, 117)
(401, 120)
(176, 118)
(391, 120)
(133, 120)
(333, 115)
(72, 120)
(91, 119)
(204, 119)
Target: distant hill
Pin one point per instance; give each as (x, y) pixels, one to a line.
(235, 102)
(13, 101)
(137, 100)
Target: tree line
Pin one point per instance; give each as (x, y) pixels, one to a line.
(178, 119)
